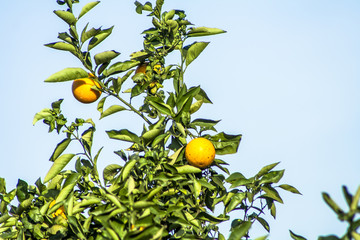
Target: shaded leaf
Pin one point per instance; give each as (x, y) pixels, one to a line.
(226, 143)
(295, 236)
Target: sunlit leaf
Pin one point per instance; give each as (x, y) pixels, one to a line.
(204, 31)
(111, 110)
(87, 8)
(240, 231)
(106, 56)
(60, 148)
(67, 16)
(99, 37)
(57, 166)
(194, 50)
(67, 74)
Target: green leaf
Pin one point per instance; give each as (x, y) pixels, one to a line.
(157, 9)
(87, 8)
(263, 222)
(330, 202)
(68, 17)
(110, 171)
(235, 201)
(235, 177)
(162, 107)
(87, 138)
(295, 236)
(86, 35)
(99, 37)
(205, 124)
(207, 217)
(226, 143)
(188, 169)
(123, 135)
(289, 188)
(43, 114)
(204, 31)
(261, 238)
(330, 237)
(120, 67)
(67, 74)
(266, 169)
(355, 201)
(62, 46)
(60, 148)
(111, 110)
(57, 166)
(105, 57)
(240, 231)
(270, 192)
(272, 177)
(68, 187)
(196, 106)
(125, 171)
(22, 190)
(194, 50)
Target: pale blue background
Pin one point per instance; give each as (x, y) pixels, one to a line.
(285, 75)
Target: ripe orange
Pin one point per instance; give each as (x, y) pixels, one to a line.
(141, 68)
(60, 211)
(83, 92)
(200, 152)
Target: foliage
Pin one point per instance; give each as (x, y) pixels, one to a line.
(155, 193)
(351, 217)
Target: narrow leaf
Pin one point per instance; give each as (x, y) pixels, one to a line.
(295, 236)
(289, 188)
(204, 31)
(57, 166)
(87, 8)
(99, 37)
(188, 169)
(111, 110)
(124, 135)
(67, 74)
(62, 46)
(266, 169)
(60, 147)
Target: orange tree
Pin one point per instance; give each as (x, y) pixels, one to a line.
(152, 192)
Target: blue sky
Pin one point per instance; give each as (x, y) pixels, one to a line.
(285, 75)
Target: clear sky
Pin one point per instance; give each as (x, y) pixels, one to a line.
(286, 75)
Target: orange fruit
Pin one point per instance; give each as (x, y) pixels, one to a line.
(83, 91)
(60, 211)
(141, 68)
(200, 152)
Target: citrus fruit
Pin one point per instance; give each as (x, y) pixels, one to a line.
(200, 152)
(83, 91)
(60, 211)
(141, 68)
